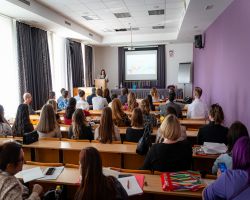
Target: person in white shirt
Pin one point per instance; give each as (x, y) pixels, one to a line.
(82, 103)
(77, 97)
(99, 102)
(197, 109)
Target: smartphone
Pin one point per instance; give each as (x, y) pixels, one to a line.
(50, 171)
(222, 167)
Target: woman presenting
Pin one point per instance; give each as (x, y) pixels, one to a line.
(103, 75)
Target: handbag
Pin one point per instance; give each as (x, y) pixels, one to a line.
(144, 143)
(31, 137)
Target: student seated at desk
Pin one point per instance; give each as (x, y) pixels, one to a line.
(107, 131)
(155, 95)
(54, 105)
(170, 102)
(63, 102)
(124, 96)
(197, 109)
(48, 126)
(80, 128)
(236, 131)
(147, 117)
(94, 184)
(113, 96)
(120, 118)
(5, 128)
(159, 136)
(132, 104)
(90, 97)
(170, 155)
(22, 123)
(11, 162)
(99, 102)
(233, 183)
(70, 109)
(134, 133)
(106, 95)
(81, 102)
(150, 100)
(214, 131)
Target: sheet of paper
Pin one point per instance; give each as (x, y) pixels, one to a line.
(214, 148)
(32, 174)
(109, 172)
(57, 172)
(131, 186)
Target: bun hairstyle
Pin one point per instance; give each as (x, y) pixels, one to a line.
(216, 113)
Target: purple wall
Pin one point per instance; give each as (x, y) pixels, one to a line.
(222, 68)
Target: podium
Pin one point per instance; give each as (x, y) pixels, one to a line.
(101, 83)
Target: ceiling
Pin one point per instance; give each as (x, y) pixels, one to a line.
(179, 20)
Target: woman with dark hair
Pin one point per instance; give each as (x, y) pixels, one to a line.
(214, 131)
(11, 162)
(120, 118)
(70, 109)
(5, 128)
(147, 117)
(236, 130)
(80, 128)
(150, 100)
(107, 131)
(47, 126)
(235, 182)
(134, 133)
(107, 95)
(22, 122)
(103, 75)
(94, 184)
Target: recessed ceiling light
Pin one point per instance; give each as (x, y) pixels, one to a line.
(156, 12)
(209, 7)
(122, 15)
(195, 27)
(91, 17)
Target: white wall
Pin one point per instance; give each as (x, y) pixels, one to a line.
(182, 53)
(107, 58)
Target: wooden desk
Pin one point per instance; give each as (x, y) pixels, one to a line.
(152, 190)
(193, 123)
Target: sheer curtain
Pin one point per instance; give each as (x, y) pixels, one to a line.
(57, 48)
(9, 97)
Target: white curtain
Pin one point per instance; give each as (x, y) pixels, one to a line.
(58, 59)
(9, 97)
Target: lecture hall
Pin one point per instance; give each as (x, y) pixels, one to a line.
(124, 99)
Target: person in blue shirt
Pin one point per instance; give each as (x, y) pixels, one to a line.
(63, 103)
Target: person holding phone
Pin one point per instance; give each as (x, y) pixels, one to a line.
(233, 183)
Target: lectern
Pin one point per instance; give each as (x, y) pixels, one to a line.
(101, 83)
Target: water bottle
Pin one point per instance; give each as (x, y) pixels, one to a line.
(121, 85)
(58, 192)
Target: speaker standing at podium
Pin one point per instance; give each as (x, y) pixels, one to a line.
(103, 75)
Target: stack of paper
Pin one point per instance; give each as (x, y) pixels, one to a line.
(131, 185)
(214, 148)
(32, 174)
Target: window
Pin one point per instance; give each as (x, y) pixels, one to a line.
(9, 97)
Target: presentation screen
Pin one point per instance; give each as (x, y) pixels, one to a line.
(141, 65)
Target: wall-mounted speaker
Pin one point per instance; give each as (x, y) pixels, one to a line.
(198, 41)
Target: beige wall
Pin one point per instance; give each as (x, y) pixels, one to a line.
(107, 58)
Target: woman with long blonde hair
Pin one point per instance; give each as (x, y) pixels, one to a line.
(120, 118)
(48, 126)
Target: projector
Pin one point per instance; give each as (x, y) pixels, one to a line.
(131, 48)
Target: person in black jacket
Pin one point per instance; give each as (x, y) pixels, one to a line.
(214, 131)
(170, 155)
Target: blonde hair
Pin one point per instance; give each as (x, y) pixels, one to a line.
(170, 127)
(154, 93)
(132, 104)
(47, 122)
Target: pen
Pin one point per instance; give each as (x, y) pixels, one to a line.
(128, 184)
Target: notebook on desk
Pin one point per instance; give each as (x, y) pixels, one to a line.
(130, 184)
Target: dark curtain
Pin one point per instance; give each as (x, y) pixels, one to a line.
(161, 70)
(88, 65)
(33, 64)
(75, 73)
